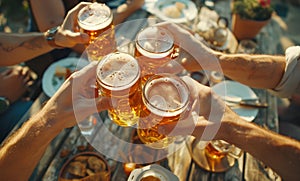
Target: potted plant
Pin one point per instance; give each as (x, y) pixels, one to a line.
(249, 16)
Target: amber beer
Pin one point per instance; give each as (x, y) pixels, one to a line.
(97, 21)
(218, 149)
(154, 48)
(165, 97)
(118, 77)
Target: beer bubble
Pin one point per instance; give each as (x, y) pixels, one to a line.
(118, 70)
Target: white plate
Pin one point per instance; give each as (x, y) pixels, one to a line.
(157, 8)
(235, 89)
(50, 82)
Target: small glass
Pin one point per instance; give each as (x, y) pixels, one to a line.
(87, 126)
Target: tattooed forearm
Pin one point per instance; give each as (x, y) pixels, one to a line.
(30, 44)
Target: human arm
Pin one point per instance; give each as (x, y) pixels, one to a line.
(260, 71)
(47, 14)
(212, 119)
(51, 13)
(74, 100)
(16, 48)
(126, 9)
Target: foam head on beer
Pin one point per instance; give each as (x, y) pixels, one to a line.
(166, 96)
(155, 42)
(95, 17)
(118, 71)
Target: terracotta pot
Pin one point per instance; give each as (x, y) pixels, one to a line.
(245, 28)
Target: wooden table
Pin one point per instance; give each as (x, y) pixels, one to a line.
(71, 141)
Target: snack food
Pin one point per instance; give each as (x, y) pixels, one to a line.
(63, 72)
(85, 166)
(175, 10)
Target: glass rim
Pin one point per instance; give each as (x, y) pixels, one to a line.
(171, 76)
(169, 50)
(109, 18)
(112, 87)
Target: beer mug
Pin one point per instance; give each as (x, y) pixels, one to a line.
(165, 99)
(154, 47)
(118, 77)
(218, 149)
(96, 20)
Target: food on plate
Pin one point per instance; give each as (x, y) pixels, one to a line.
(180, 5)
(77, 168)
(85, 166)
(63, 72)
(96, 164)
(174, 10)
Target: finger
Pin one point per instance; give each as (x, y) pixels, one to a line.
(25, 74)
(71, 17)
(29, 83)
(24, 71)
(77, 37)
(6, 72)
(175, 30)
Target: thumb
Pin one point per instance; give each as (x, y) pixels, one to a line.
(79, 38)
(69, 39)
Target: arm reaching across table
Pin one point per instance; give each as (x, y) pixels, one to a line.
(275, 72)
(75, 100)
(212, 119)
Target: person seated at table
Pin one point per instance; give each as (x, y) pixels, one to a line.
(16, 80)
(47, 14)
(279, 74)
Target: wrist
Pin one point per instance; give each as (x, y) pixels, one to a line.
(50, 37)
(230, 126)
